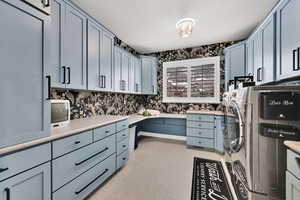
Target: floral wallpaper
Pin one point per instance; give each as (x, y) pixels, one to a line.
(155, 102)
(86, 104)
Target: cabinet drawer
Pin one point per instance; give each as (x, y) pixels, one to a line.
(201, 142)
(100, 133)
(66, 145)
(202, 118)
(122, 135)
(122, 146)
(20, 161)
(293, 163)
(197, 132)
(122, 125)
(86, 183)
(205, 125)
(122, 159)
(67, 167)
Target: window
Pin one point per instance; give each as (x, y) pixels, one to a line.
(192, 81)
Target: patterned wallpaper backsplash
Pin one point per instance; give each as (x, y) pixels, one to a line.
(155, 102)
(86, 104)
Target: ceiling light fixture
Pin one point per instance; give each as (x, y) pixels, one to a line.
(185, 27)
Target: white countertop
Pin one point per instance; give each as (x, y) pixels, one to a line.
(74, 127)
(80, 125)
(295, 146)
(204, 112)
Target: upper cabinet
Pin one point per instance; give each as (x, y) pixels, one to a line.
(100, 58)
(137, 75)
(249, 57)
(288, 39)
(68, 46)
(122, 63)
(149, 75)
(235, 62)
(24, 85)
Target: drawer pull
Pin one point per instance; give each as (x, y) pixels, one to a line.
(124, 146)
(3, 169)
(200, 133)
(124, 135)
(82, 189)
(77, 142)
(298, 162)
(107, 131)
(92, 156)
(200, 142)
(124, 125)
(124, 158)
(200, 125)
(7, 190)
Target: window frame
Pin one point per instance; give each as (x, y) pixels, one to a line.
(189, 63)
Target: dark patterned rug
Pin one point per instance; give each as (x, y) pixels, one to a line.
(209, 181)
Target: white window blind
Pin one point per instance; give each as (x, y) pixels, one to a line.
(192, 81)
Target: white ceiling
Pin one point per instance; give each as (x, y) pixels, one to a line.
(149, 25)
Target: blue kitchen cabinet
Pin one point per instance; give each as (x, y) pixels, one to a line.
(235, 62)
(258, 57)
(100, 55)
(268, 50)
(75, 48)
(288, 39)
(219, 134)
(149, 75)
(135, 72)
(23, 80)
(34, 184)
(122, 63)
(249, 57)
(68, 46)
(138, 75)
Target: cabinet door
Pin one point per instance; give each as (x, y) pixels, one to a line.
(55, 68)
(268, 34)
(292, 187)
(75, 48)
(288, 39)
(95, 81)
(106, 67)
(227, 69)
(250, 58)
(24, 108)
(154, 76)
(132, 85)
(137, 75)
(125, 71)
(258, 61)
(34, 184)
(147, 75)
(237, 61)
(219, 138)
(118, 69)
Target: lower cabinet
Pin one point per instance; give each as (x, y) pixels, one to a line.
(86, 183)
(205, 131)
(122, 144)
(34, 184)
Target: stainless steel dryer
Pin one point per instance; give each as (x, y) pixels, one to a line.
(258, 120)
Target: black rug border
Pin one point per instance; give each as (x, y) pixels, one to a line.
(219, 162)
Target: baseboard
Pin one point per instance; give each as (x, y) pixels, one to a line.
(165, 136)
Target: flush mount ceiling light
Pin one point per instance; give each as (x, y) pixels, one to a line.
(185, 27)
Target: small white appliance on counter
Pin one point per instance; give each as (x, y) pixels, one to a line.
(60, 113)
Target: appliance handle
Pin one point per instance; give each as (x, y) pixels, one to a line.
(241, 139)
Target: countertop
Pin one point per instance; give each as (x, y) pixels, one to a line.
(75, 126)
(295, 146)
(80, 125)
(205, 112)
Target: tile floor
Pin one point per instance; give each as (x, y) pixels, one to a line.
(159, 169)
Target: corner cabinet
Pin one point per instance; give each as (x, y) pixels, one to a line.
(235, 62)
(24, 93)
(149, 75)
(68, 46)
(100, 58)
(288, 39)
(34, 184)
